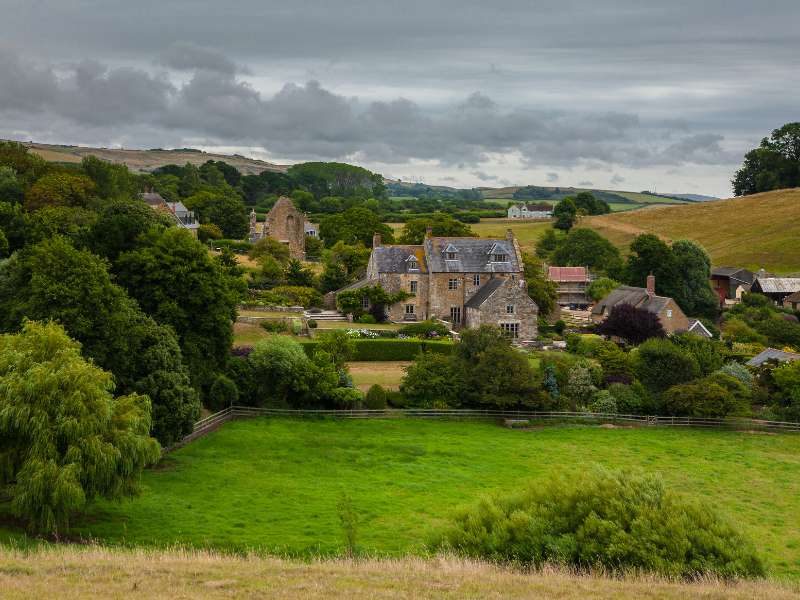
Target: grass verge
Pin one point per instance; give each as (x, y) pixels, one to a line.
(98, 572)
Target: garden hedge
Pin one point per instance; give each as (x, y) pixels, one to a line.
(389, 349)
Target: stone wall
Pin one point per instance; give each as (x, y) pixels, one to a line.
(287, 225)
(677, 322)
(493, 311)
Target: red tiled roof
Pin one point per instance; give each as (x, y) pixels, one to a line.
(567, 274)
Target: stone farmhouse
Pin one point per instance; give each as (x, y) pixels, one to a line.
(182, 216)
(284, 223)
(669, 313)
(530, 211)
(465, 281)
(572, 284)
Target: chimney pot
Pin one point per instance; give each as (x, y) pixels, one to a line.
(510, 234)
(651, 285)
(376, 240)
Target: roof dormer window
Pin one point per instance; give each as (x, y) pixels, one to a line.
(451, 256)
(451, 252)
(501, 258)
(412, 263)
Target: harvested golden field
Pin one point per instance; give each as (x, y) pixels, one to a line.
(752, 231)
(95, 572)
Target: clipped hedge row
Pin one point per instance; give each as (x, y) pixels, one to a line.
(389, 349)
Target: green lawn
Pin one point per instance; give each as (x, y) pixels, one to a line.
(274, 484)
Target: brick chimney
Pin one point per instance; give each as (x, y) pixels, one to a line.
(651, 285)
(376, 240)
(428, 231)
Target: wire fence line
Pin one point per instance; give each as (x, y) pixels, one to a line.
(212, 422)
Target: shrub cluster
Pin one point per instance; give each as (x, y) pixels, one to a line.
(615, 521)
(389, 349)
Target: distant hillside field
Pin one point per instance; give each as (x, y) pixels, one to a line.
(148, 160)
(755, 231)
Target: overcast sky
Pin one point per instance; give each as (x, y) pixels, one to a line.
(617, 94)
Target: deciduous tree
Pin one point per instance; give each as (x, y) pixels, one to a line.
(64, 439)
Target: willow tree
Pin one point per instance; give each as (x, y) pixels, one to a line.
(64, 438)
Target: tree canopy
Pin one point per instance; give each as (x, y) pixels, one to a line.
(441, 224)
(64, 439)
(175, 281)
(775, 164)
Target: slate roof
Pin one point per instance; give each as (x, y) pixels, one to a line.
(778, 285)
(635, 296)
(771, 354)
(485, 292)
(696, 326)
(736, 273)
(394, 259)
(473, 255)
(567, 274)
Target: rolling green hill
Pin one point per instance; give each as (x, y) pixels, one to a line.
(755, 231)
(148, 160)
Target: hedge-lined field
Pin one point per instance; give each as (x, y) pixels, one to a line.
(389, 349)
(276, 483)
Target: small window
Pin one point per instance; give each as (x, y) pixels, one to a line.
(455, 315)
(452, 284)
(476, 279)
(501, 258)
(413, 265)
(513, 277)
(409, 309)
(669, 314)
(413, 285)
(451, 256)
(364, 302)
(509, 309)
(510, 329)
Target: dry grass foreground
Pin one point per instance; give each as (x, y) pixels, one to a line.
(751, 231)
(97, 572)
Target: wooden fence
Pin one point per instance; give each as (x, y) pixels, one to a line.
(212, 422)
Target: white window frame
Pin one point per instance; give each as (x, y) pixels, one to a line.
(500, 258)
(364, 302)
(413, 286)
(669, 313)
(476, 279)
(510, 329)
(410, 309)
(511, 309)
(452, 284)
(452, 256)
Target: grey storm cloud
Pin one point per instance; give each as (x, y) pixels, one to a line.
(485, 176)
(310, 121)
(552, 177)
(186, 56)
(617, 179)
(545, 84)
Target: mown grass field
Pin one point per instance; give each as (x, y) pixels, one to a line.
(388, 374)
(107, 573)
(752, 231)
(274, 484)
